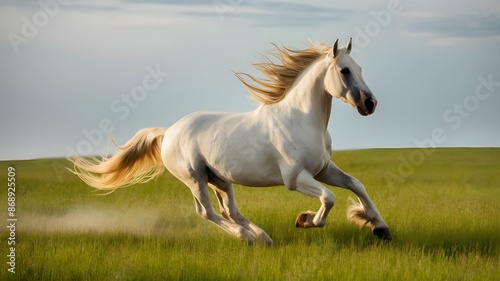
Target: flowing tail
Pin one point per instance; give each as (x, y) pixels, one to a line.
(138, 161)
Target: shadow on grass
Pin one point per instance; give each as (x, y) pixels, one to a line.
(452, 242)
(447, 242)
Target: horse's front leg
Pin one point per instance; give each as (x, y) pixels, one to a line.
(306, 184)
(362, 214)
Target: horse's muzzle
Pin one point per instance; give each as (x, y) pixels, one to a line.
(366, 104)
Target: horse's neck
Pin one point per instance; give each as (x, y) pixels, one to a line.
(307, 97)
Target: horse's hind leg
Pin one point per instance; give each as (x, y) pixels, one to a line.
(228, 208)
(199, 189)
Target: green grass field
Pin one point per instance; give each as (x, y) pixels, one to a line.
(443, 211)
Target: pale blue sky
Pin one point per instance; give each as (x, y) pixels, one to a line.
(66, 69)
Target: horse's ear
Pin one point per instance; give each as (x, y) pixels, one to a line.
(349, 46)
(333, 53)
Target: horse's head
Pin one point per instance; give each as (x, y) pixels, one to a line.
(343, 80)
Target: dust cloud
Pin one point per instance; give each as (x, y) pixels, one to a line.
(85, 219)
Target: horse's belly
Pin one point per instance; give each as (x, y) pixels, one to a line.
(247, 171)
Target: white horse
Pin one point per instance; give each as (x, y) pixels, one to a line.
(283, 142)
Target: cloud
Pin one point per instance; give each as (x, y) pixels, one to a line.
(256, 13)
(455, 26)
(246, 12)
(102, 29)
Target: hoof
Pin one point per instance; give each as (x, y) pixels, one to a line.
(264, 239)
(305, 220)
(382, 233)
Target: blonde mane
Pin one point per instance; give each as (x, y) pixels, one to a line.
(280, 77)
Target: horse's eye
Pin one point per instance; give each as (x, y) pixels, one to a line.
(345, 70)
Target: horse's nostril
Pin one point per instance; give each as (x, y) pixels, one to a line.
(370, 105)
